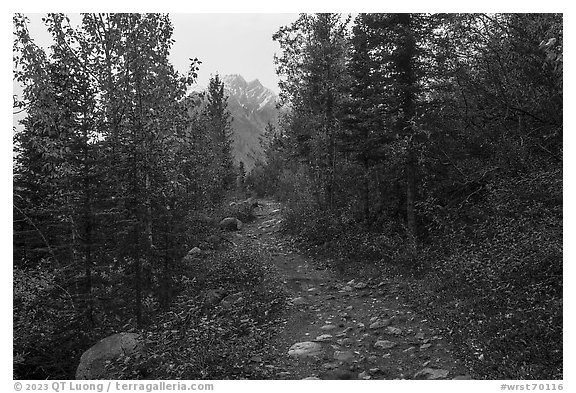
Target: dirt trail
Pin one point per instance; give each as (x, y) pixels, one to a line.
(361, 329)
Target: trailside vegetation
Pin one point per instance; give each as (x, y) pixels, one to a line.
(117, 174)
(432, 144)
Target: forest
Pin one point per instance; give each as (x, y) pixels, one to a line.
(419, 151)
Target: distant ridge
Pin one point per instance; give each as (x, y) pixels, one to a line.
(252, 107)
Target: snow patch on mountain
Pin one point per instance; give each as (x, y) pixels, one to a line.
(252, 106)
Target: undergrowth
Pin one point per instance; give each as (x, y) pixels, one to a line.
(489, 275)
(193, 341)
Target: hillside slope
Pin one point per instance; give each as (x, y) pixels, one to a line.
(252, 107)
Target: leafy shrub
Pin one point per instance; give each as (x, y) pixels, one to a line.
(505, 270)
(48, 327)
(263, 178)
(195, 342)
(310, 223)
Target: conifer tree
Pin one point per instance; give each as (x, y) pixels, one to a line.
(218, 128)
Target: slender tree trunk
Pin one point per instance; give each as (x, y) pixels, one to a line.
(148, 217)
(88, 220)
(405, 66)
(411, 196)
(137, 275)
(142, 172)
(366, 192)
(88, 242)
(165, 300)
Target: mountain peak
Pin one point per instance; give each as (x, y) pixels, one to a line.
(248, 94)
(254, 83)
(232, 77)
(234, 80)
(252, 106)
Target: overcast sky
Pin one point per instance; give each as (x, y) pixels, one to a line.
(225, 43)
(229, 44)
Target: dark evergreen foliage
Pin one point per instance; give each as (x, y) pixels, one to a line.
(110, 172)
(448, 147)
(429, 146)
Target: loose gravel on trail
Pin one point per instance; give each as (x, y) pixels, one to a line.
(343, 328)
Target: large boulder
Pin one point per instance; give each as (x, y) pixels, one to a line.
(231, 224)
(305, 349)
(92, 362)
(431, 373)
(194, 252)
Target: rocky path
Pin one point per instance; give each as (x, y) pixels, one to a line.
(343, 328)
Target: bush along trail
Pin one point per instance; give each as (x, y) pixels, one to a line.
(336, 328)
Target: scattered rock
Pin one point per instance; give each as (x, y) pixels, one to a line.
(213, 296)
(323, 338)
(268, 223)
(431, 373)
(305, 349)
(384, 344)
(195, 251)
(92, 362)
(339, 374)
(380, 323)
(347, 288)
(360, 285)
(393, 330)
(231, 224)
(330, 366)
(364, 375)
(251, 202)
(343, 356)
(462, 377)
(256, 359)
(298, 301)
(425, 346)
(232, 299)
(361, 326)
(328, 327)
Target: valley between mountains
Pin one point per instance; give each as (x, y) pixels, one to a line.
(252, 106)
